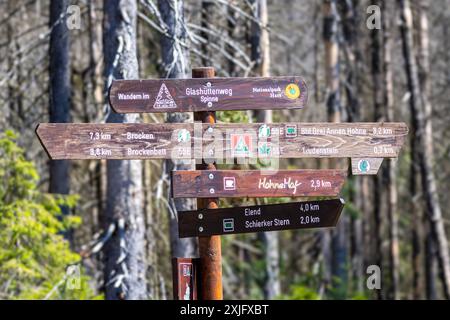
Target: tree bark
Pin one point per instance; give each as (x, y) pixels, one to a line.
(125, 258)
(175, 63)
(377, 80)
(60, 91)
(430, 266)
(337, 261)
(417, 103)
(350, 20)
(423, 63)
(260, 56)
(233, 30)
(208, 8)
(391, 173)
(259, 39)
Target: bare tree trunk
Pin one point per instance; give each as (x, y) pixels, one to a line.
(352, 90)
(233, 30)
(176, 62)
(7, 117)
(125, 258)
(430, 265)
(260, 55)
(394, 258)
(208, 7)
(317, 29)
(417, 233)
(96, 90)
(420, 235)
(60, 91)
(377, 80)
(259, 39)
(418, 102)
(336, 263)
(423, 62)
(330, 26)
(95, 52)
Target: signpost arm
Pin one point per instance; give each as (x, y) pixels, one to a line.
(210, 284)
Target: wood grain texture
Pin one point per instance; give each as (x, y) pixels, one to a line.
(257, 183)
(209, 248)
(297, 215)
(223, 141)
(207, 94)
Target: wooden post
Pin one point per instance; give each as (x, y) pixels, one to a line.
(210, 250)
(184, 273)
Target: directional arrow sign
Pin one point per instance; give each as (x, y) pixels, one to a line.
(183, 95)
(297, 215)
(257, 183)
(115, 141)
(364, 141)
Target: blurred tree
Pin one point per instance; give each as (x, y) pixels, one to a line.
(260, 56)
(353, 74)
(175, 60)
(422, 122)
(391, 171)
(335, 262)
(125, 252)
(60, 89)
(33, 253)
(378, 116)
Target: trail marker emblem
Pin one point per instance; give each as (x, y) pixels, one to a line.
(164, 99)
(363, 165)
(292, 91)
(264, 131)
(184, 135)
(264, 149)
(241, 144)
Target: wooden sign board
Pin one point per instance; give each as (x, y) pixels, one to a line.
(207, 94)
(185, 278)
(257, 183)
(222, 141)
(273, 217)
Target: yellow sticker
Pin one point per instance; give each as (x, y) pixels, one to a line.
(292, 91)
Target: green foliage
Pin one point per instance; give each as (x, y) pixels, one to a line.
(338, 290)
(359, 296)
(232, 116)
(300, 292)
(347, 191)
(33, 253)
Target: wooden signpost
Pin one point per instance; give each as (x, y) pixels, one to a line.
(207, 94)
(257, 183)
(273, 217)
(209, 142)
(209, 248)
(185, 275)
(367, 143)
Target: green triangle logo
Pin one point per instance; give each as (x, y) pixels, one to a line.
(241, 146)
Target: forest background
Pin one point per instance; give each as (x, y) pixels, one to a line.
(362, 61)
